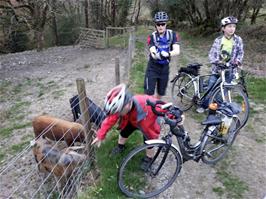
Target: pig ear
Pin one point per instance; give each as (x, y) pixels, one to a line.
(48, 140)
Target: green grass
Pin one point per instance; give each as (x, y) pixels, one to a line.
(86, 66)
(2, 157)
(260, 139)
(15, 112)
(183, 61)
(137, 72)
(233, 187)
(13, 90)
(256, 89)
(4, 89)
(6, 132)
(107, 186)
(197, 42)
(15, 148)
(58, 93)
(118, 41)
(45, 87)
(108, 165)
(25, 140)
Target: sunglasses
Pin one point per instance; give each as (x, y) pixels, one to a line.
(160, 24)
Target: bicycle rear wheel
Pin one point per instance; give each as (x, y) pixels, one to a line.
(183, 91)
(137, 183)
(215, 149)
(237, 95)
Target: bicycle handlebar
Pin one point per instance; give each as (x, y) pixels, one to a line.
(224, 66)
(172, 115)
(153, 106)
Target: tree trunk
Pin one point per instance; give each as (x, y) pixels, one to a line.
(254, 15)
(132, 21)
(86, 12)
(39, 38)
(113, 8)
(138, 12)
(54, 24)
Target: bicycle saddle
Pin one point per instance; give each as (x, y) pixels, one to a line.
(192, 69)
(212, 120)
(194, 65)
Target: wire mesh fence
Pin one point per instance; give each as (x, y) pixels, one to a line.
(51, 166)
(59, 160)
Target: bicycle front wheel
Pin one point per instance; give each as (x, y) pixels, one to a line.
(216, 147)
(183, 91)
(136, 182)
(237, 95)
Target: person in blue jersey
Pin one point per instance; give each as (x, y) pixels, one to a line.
(163, 44)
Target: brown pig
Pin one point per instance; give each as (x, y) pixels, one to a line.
(58, 129)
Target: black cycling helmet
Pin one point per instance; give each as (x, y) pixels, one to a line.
(229, 20)
(160, 17)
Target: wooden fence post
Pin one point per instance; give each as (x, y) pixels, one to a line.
(133, 40)
(107, 37)
(129, 53)
(131, 46)
(117, 71)
(85, 115)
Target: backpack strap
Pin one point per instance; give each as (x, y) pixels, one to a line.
(169, 36)
(154, 36)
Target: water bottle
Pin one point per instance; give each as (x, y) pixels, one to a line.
(225, 125)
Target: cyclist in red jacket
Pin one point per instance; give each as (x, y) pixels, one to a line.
(132, 114)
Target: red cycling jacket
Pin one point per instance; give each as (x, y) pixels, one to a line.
(141, 117)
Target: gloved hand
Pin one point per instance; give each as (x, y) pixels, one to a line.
(156, 56)
(164, 54)
(97, 142)
(237, 64)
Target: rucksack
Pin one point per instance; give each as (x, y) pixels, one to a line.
(169, 37)
(97, 115)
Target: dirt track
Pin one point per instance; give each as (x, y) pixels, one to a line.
(48, 79)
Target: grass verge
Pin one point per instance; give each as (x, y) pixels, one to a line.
(232, 187)
(108, 165)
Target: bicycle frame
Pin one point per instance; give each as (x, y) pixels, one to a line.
(220, 82)
(169, 157)
(188, 151)
(165, 155)
(196, 83)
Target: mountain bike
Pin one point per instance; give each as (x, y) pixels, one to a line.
(189, 88)
(167, 160)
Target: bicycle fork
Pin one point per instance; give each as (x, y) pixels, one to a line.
(198, 153)
(165, 149)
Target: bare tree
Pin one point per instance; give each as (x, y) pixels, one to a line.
(33, 13)
(54, 22)
(136, 12)
(86, 13)
(255, 5)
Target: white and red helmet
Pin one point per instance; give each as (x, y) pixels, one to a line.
(116, 99)
(229, 20)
